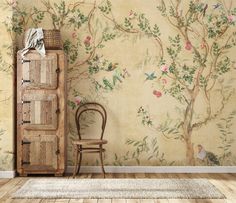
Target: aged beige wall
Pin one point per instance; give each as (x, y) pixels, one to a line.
(118, 57)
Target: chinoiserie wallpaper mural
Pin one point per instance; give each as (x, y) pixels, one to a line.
(6, 89)
(164, 70)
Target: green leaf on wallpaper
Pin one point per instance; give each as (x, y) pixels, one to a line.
(144, 24)
(108, 36)
(71, 104)
(226, 140)
(116, 79)
(128, 24)
(93, 69)
(203, 81)
(106, 8)
(223, 66)
(107, 84)
(71, 50)
(156, 31)
(215, 48)
(37, 16)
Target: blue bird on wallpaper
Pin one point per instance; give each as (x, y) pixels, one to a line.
(215, 6)
(150, 76)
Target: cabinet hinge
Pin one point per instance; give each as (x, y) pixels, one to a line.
(25, 142)
(57, 152)
(24, 81)
(58, 70)
(23, 122)
(25, 102)
(58, 111)
(25, 61)
(25, 162)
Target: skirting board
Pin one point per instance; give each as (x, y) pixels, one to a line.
(7, 174)
(155, 169)
(143, 169)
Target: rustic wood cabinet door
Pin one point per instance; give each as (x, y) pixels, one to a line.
(40, 111)
(39, 152)
(40, 72)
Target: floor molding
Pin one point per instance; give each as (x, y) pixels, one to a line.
(7, 174)
(156, 169)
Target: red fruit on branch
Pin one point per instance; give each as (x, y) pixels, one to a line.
(88, 38)
(188, 46)
(87, 41)
(157, 93)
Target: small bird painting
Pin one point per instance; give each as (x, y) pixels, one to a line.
(150, 76)
(215, 6)
(112, 66)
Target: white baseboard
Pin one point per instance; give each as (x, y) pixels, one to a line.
(142, 169)
(156, 169)
(7, 174)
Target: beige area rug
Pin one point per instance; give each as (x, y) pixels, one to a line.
(119, 188)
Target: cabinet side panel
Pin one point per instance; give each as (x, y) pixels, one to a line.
(62, 115)
(19, 114)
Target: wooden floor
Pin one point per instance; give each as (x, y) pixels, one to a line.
(226, 183)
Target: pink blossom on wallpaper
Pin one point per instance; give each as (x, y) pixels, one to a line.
(188, 46)
(231, 18)
(132, 14)
(157, 93)
(164, 68)
(87, 41)
(78, 100)
(88, 38)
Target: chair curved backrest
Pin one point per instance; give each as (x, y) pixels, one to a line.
(90, 106)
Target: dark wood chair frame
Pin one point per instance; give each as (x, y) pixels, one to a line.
(79, 144)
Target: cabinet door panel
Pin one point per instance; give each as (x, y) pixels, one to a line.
(39, 111)
(39, 72)
(39, 152)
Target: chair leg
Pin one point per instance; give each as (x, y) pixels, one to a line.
(80, 159)
(76, 161)
(101, 158)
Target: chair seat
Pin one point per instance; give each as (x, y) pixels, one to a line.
(89, 142)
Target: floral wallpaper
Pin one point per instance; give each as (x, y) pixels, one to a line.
(6, 90)
(164, 70)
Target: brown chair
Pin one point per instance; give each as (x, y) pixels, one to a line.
(83, 145)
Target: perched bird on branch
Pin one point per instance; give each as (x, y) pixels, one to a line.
(215, 6)
(209, 157)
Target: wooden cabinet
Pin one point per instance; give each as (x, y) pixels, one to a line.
(41, 113)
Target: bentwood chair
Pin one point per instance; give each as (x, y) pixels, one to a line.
(91, 145)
